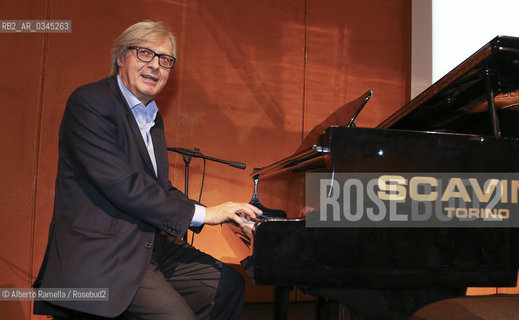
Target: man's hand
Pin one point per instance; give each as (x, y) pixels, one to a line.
(230, 211)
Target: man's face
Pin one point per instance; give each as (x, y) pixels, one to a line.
(145, 79)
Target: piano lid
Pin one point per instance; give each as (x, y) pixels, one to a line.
(458, 102)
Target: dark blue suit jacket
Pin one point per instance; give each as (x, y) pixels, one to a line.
(108, 201)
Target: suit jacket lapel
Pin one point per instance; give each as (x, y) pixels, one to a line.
(159, 147)
(134, 127)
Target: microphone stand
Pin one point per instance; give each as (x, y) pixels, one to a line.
(197, 154)
(187, 154)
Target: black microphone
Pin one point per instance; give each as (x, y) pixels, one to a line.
(238, 165)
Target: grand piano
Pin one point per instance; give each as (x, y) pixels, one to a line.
(467, 122)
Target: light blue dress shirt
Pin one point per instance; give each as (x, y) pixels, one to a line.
(145, 117)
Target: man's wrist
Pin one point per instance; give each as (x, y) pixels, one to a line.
(199, 216)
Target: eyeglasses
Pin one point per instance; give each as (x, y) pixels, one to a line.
(147, 55)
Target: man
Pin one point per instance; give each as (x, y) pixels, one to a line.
(117, 220)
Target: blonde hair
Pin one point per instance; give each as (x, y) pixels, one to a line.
(144, 31)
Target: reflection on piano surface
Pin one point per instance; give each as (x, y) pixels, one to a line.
(466, 122)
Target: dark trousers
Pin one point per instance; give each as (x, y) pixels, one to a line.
(184, 283)
(181, 283)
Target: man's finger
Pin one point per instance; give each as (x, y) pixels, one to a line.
(246, 212)
(238, 220)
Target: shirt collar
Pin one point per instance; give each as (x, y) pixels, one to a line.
(130, 98)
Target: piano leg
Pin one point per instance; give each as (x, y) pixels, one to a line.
(334, 310)
(281, 297)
